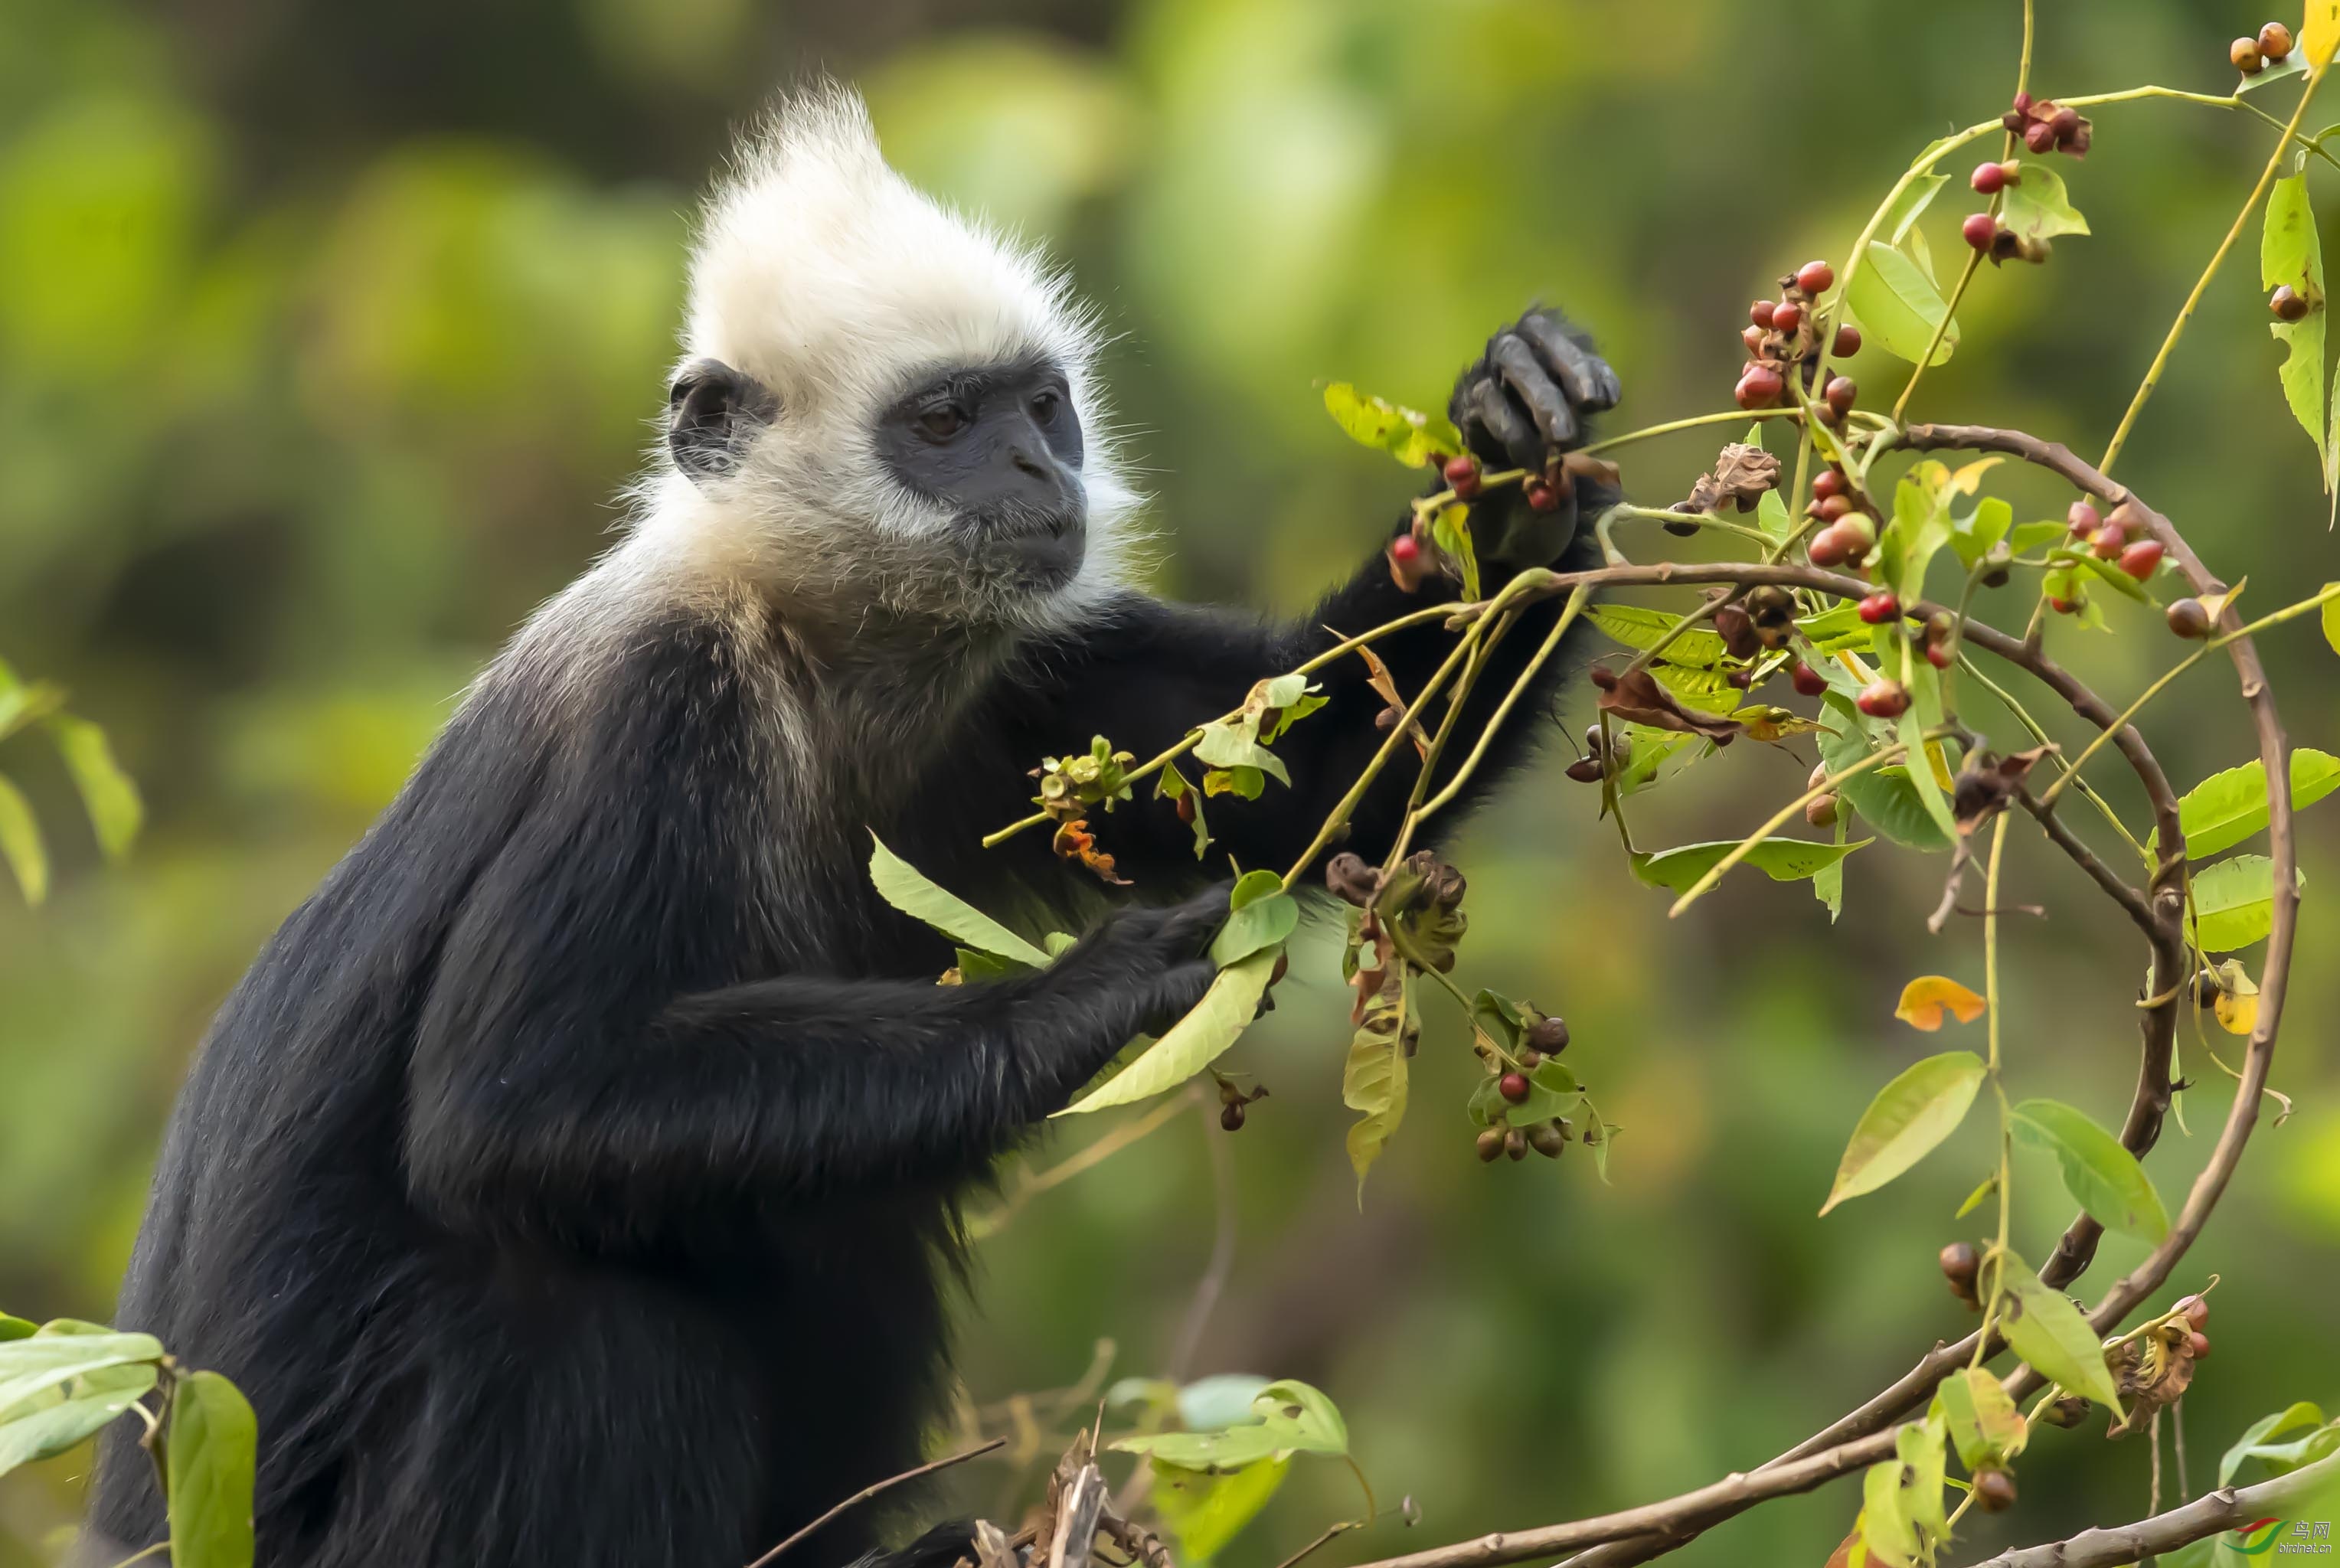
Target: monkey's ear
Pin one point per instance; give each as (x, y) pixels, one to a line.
(712, 411)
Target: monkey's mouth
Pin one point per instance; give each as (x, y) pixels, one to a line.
(1042, 548)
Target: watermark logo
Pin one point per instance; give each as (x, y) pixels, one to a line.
(2282, 1537)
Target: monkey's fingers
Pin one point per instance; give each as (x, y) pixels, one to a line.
(1494, 426)
(1536, 387)
(1591, 384)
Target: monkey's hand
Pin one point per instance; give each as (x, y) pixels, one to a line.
(1155, 957)
(1522, 404)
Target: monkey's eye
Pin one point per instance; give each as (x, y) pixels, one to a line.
(1044, 406)
(943, 421)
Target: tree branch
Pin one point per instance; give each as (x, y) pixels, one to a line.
(2221, 1510)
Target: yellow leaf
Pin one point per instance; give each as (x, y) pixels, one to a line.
(2320, 36)
(1923, 999)
(2237, 1002)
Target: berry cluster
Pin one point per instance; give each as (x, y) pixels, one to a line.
(1544, 1037)
(2121, 538)
(2047, 126)
(2253, 56)
(1849, 522)
(1783, 334)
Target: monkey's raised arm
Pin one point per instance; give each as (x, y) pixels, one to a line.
(542, 1101)
(1157, 669)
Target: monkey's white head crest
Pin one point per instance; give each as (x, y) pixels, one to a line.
(829, 278)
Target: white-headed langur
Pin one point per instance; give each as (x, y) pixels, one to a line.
(572, 1181)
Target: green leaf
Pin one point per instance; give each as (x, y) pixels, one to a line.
(17, 1329)
(2289, 253)
(1923, 713)
(61, 1352)
(1374, 1084)
(1781, 859)
(2234, 903)
(2102, 1176)
(1244, 783)
(213, 1446)
(1907, 1119)
(2331, 615)
(1451, 531)
(1287, 1418)
(2248, 1446)
(1636, 627)
(1983, 1421)
(1222, 1399)
(1190, 1043)
(2291, 64)
(45, 1425)
(1258, 924)
(2227, 807)
(1835, 630)
(903, 885)
(2037, 205)
(1204, 1510)
(1902, 1519)
(20, 843)
(1828, 882)
(1236, 745)
(1899, 305)
(1973, 535)
(1772, 513)
(1706, 690)
(2047, 1330)
(1910, 206)
(1886, 802)
(1411, 437)
(106, 792)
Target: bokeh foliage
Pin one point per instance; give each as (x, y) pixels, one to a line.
(329, 335)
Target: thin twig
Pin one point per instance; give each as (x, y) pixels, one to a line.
(867, 1492)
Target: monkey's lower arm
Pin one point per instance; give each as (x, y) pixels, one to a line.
(759, 1094)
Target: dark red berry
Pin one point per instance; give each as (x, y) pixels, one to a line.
(2189, 617)
(1231, 1116)
(1759, 313)
(1879, 608)
(2288, 303)
(1980, 229)
(2084, 520)
(1186, 808)
(1809, 682)
(2108, 542)
(2040, 135)
(2245, 55)
(1939, 655)
(1548, 1036)
(1786, 316)
(1848, 342)
(2142, 559)
(1829, 546)
(1513, 1087)
(2065, 606)
(2201, 1345)
(1989, 178)
(1543, 497)
(1829, 482)
(1960, 1264)
(1883, 699)
(2067, 123)
(1759, 388)
(1831, 508)
(1840, 392)
(2275, 42)
(1404, 547)
(1815, 277)
(1995, 1490)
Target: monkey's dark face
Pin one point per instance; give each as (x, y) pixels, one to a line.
(999, 449)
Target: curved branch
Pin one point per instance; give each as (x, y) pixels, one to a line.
(2205, 1516)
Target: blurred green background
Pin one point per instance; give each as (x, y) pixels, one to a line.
(329, 334)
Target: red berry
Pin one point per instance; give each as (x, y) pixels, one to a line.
(2201, 1345)
(2067, 123)
(1759, 313)
(1810, 682)
(2188, 617)
(1989, 178)
(1786, 316)
(1759, 387)
(1939, 655)
(2040, 135)
(1883, 699)
(2275, 41)
(2196, 1311)
(1879, 608)
(1829, 482)
(1815, 277)
(1753, 338)
(1829, 546)
(1461, 468)
(1513, 1086)
(1995, 1490)
(2108, 541)
(1980, 229)
(1840, 392)
(1848, 342)
(2083, 518)
(1832, 508)
(2140, 559)
(1404, 547)
(2289, 305)
(2023, 102)
(1543, 497)
(2065, 606)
